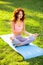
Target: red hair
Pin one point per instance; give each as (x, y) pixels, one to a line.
(16, 13)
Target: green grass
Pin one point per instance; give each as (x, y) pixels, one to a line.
(33, 22)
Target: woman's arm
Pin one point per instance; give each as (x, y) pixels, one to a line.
(12, 28)
(27, 33)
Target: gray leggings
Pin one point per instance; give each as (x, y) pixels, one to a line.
(19, 39)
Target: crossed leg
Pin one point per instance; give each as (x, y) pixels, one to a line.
(22, 41)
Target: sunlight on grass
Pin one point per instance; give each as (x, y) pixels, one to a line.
(2, 2)
(5, 15)
(33, 23)
(38, 14)
(34, 13)
(19, 63)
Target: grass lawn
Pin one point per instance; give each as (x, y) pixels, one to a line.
(33, 22)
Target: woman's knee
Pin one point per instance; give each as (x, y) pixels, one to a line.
(16, 41)
(31, 37)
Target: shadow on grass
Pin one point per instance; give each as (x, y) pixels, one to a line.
(36, 61)
(32, 5)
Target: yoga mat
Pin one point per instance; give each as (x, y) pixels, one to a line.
(27, 51)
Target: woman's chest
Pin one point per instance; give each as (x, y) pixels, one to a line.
(18, 26)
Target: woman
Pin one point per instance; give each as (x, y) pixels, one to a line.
(18, 27)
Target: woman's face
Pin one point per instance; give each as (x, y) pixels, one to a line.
(20, 15)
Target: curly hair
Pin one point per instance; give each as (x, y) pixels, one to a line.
(16, 13)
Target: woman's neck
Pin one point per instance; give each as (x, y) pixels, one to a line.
(18, 20)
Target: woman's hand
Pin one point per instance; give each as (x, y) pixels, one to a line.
(35, 35)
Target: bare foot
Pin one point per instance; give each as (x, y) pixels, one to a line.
(11, 38)
(20, 44)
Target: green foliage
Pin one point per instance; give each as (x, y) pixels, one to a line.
(33, 22)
